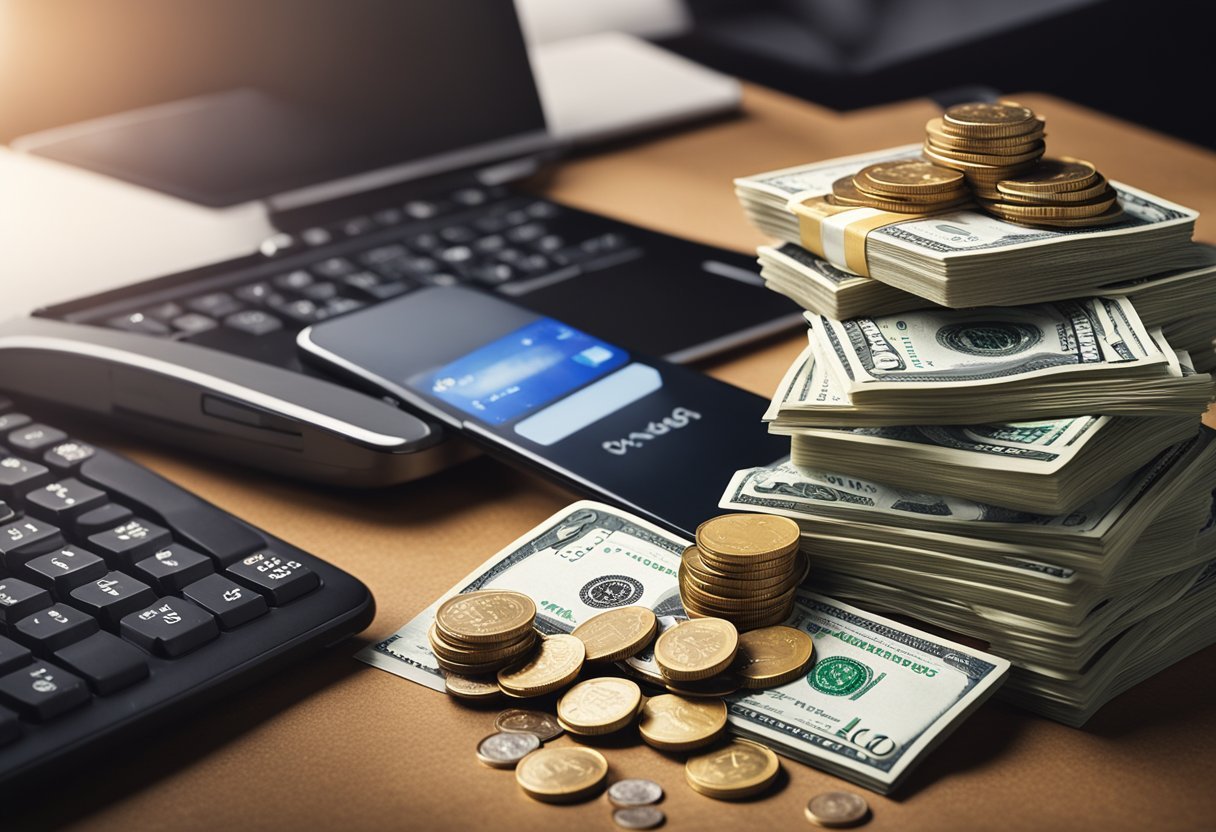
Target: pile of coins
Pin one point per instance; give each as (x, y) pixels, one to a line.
(988, 143)
(906, 186)
(744, 568)
(999, 149)
(1058, 193)
(479, 633)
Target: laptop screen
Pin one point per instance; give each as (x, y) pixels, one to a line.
(222, 101)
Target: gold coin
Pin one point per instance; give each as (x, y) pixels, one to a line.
(523, 721)
(732, 589)
(772, 656)
(677, 723)
(1045, 212)
(844, 192)
(936, 131)
(714, 687)
(489, 615)
(735, 771)
(734, 569)
(562, 775)
(745, 622)
(1113, 214)
(616, 634)
(757, 604)
(748, 537)
(836, 809)
(443, 648)
(1052, 175)
(1008, 191)
(976, 168)
(555, 665)
(1036, 150)
(984, 120)
(907, 176)
(599, 706)
(469, 669)
(696, 649)
(477, 689)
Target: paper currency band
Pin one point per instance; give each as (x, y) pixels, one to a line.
(837, 233)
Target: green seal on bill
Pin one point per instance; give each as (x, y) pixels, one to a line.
(839, 676)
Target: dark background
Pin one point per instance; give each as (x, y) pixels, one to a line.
(1147, 61)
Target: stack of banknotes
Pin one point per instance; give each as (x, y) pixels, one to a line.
(997, 431)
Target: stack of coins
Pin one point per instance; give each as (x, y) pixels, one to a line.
(1059, 193)
(479, 633)
(986, 142)
(906, 186)
(744, 568)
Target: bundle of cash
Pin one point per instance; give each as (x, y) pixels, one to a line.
(878, 697)
(1055, 595)
(944, 366)
(964, 257)
(1047, 466)
(821, 288)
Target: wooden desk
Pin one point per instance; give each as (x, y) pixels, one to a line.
(334, 744)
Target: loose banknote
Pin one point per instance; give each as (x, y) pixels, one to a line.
(878, 697)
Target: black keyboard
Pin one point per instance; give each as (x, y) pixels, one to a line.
(490, 238)
(125, 599)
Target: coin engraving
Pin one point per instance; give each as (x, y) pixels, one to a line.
(504, 749)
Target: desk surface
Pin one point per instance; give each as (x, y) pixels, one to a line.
(333, 743)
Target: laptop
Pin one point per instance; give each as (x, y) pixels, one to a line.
(388, 142)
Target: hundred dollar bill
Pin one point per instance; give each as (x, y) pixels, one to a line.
(879, 696)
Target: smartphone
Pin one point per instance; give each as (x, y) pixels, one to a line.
(653, 437)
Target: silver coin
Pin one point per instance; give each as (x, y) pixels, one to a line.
(506, 748)
(639, 817)
(520, 720)
(834, 809)
(635, 792)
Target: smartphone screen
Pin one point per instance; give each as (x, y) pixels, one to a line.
(651, 436)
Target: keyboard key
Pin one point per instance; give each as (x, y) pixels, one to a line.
(111, 597)
(384, 254)
(526, 233)
(42, 691)
(60, 501)
(232, 604)
(490, 244)
(492, 273)
(215, 304)
(139, 322)
(10, 421)
(470, 196)
(67, 455)
(166, 311)
(194, 324)
(301, 311)
(426, 241)
(315, 236)
(6, 513)
(280, 579)
(55, 627)
(171, 627)
(253, 322)
(19, 476)
(543, 210)
(109, 516)
(549, 244)
(357, 226)
(389, 216)
(133, 540)
(10, 726)
(456, 254)
(534, 264)
(441, 279)
(341, 306)
(172, 568)
(457, 234)
(64, 570)
(333, 267)
(277, 244)
(20, 598)
(106, 662)
(323, 290)
(377, 287)
(257, 293)
(14, 655)
(26, 538)
(421, 209)
(34, 438)
(196, 523)
(294, 281)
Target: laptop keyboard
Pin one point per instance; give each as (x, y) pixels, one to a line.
(485, 237)
(124, 597)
